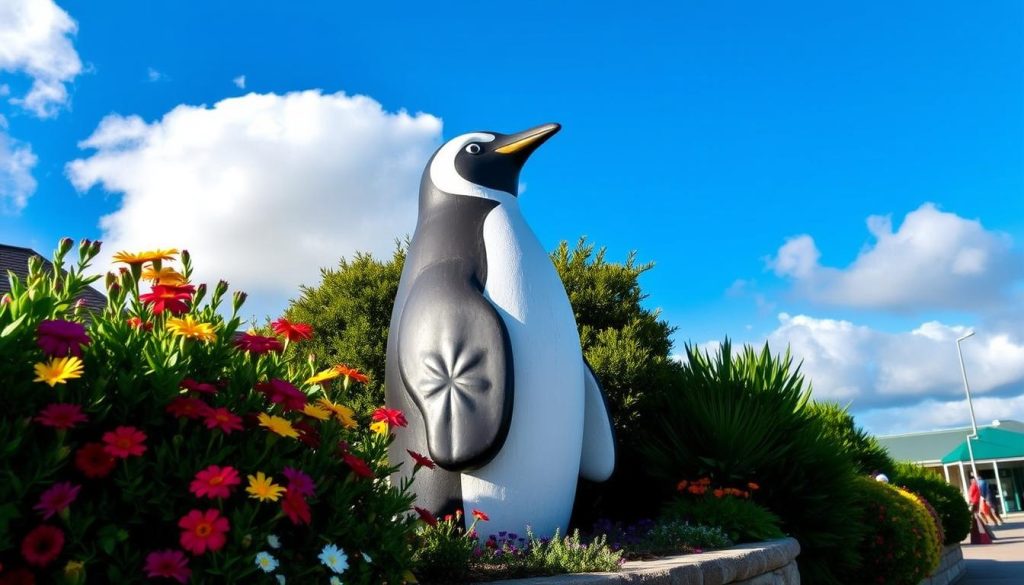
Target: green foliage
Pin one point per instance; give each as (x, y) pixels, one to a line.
(742, 520)
(868, 455)
(947, 500)
(443, 552)
(559, 555)
(673, 537)
(903, 545)
(742, 417)
(136, 363)
(351, 311)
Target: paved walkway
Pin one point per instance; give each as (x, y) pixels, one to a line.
(999, 563)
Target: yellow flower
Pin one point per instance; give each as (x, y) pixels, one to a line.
(189, 327)
(263, 488)
(59, 370)
(317, 412)
(167, 276)
(345, 415)
(380, 427)
(281, 426)
(147, 256)
(328, 374)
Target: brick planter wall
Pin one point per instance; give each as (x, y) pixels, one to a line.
(951, 567)
(764, 563)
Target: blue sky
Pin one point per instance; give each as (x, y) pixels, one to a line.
(704, 135)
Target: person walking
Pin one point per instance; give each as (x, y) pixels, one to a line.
(980, 533)
(994, 503)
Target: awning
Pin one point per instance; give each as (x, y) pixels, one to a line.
(992, 443)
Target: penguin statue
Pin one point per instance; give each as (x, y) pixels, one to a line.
(484, 356)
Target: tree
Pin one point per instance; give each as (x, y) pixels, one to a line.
(868, 455)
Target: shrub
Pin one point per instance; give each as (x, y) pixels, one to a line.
(868, 455)
(728, 508)
(947, 500)
(739, 418)
(902, 548)
(135, 440)
(672, 537)
(443, 550)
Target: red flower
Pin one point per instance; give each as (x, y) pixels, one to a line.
(42, 545)
(202, 531)
(19, 576)
(61, 338)
(421, 460)
(358, 465)
(258, 344)
(284, 393)
(55, 499)
(480, 515)
(94, 461)
(393, 416)
(295, 507)
(223, 419)
(299, 482)
(168, 563)
(187, 407)
(200, 387)
(352, 373)
(292, 331)
(169, 297)
(307, 434)
(137, 323)
(426, 516)
(124, 442)
(215, 482)
(61, 415)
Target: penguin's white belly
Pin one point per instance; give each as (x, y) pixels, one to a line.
(532, 480)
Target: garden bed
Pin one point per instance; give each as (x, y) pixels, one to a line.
(764, 563)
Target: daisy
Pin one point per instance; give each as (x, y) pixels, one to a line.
(335, 559)
(58, 370)
(266, 562)
(263, 488)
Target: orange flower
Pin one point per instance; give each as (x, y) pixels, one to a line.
(147, 256)
(753, 486)
(352, 373)
(719, 493)
(682, 485)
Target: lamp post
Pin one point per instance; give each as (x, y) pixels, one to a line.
(967, 389)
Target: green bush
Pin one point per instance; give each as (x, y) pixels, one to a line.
(443, 550)
(947, 500)
(673, 537)
(903, 545)
(134, 441)
(741, 519)
(742, 417)
(868, 455)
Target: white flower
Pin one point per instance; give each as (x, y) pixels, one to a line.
(335, 559)
(273, 541)
(335, 580)
(280, 579)
(266, 562)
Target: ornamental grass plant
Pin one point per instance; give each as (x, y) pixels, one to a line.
(154, 440)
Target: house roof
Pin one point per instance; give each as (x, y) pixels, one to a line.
(933, 446)
(15, 259)
(992, 443)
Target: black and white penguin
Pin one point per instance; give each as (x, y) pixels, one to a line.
(484, 356)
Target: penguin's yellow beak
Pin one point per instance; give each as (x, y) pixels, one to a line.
(525, 142)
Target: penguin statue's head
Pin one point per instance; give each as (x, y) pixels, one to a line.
(485, 164)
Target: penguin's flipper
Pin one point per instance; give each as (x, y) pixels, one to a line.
(598, 458)
(456, 363)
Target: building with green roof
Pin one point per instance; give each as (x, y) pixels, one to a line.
(998, 456)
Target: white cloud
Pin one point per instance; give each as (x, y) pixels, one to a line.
(16, 181)
(935, 414)
(264, 190)
(153, 75)
(35, 39)
(934, 260)
(239, 82)
(845, 361)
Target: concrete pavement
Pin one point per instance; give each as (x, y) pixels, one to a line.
(999, 563)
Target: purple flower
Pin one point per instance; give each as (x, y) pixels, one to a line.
(299, 482)
(60, 338)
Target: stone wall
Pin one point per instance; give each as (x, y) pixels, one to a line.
(951, 568)
(764, 563)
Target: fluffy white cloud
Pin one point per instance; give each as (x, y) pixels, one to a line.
(35, 39)
(239, 82)
(934, 260)
(264, 190)
(935, 414)
(16, 182)
(874, 369)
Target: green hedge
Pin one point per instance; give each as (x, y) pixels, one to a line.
(903, 545)
(947, 500)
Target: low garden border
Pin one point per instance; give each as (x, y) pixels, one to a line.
(763, 563)
(952, 567)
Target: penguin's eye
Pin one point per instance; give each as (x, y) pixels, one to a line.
(473, 148)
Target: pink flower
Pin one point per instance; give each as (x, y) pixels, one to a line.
(215, 482)
(295, 507)
(187, 407)
(168, 563)
(56, 499)
(202, 531)
(170, 298)
(94, 461)
(42, 545)
(61, 338)
(223, 419)
(426, 516)
(392, 416)
(258, 344)
(421, 460)
(124, 442)
(284, 393)
(299, 482)
(200, 387)
(61, 415)
(358, 465)
(292, 331)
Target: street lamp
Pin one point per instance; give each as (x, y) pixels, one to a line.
(967, 389)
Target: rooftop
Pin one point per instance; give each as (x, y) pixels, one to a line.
(932, 446)
(15, 259)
